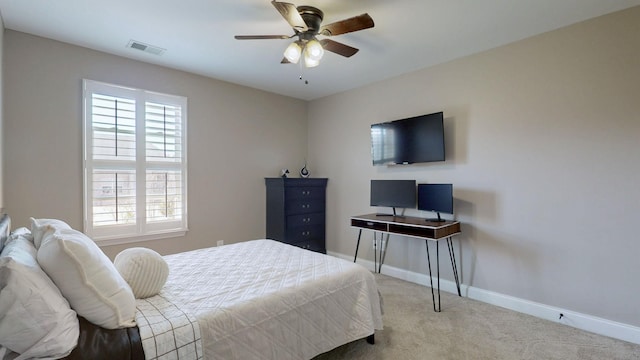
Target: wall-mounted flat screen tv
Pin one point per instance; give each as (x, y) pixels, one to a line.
(413, 140)
(394, 193)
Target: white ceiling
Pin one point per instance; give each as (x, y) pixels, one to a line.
(198, 34)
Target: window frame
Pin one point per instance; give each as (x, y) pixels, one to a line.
(141, 230)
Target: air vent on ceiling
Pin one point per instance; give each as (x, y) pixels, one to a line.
(145, 47)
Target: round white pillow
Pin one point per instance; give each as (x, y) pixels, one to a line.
(143, 269)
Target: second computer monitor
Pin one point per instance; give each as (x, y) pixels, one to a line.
(436, 197)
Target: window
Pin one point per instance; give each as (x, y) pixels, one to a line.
(135, 163)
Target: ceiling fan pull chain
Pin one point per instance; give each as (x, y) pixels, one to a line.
(301, 70)
(306, 82)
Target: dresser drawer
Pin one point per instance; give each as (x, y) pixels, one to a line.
(305, 219)
(304, 192)
(313, 245)
(304, 233)
(304, 206)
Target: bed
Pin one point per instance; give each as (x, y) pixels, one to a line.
(259, 299)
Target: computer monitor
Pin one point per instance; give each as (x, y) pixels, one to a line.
(393, 193)
(436, 197)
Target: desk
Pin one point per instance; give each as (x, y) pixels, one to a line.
(412, 227)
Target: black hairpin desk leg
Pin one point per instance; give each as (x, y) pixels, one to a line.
(452, 256)
(383, 248)
(433, 296)
(357, 245)
(454, 265)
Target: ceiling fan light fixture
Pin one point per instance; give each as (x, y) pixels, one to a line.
(293, 52)
(313, 50)
(308, 62)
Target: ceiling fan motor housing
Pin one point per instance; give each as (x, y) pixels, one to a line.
(312, 17)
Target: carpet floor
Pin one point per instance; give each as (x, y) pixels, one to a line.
(473, 330)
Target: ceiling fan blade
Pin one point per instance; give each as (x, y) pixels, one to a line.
(261, 37)
(338, 48)
(355, 23)
(285, 61)
(290, 13)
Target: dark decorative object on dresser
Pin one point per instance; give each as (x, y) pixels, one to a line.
(296, 212)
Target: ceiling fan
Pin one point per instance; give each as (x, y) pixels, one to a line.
(305, 21)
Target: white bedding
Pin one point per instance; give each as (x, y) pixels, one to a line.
(263, 299)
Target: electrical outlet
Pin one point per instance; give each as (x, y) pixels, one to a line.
(220, 243)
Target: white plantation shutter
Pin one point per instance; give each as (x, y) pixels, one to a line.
(113, 127)
(164, 151)
(134, 162)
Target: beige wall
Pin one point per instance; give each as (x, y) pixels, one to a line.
(542, 148)
(236, 137)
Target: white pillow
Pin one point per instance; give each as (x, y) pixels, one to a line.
(87, 278)
(40, 227)
(143, 269)
(22, 233)
(36, 320)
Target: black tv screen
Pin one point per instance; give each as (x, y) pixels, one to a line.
(393, 193)
(407, 141)
(436, 197)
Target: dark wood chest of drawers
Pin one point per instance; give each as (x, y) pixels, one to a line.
(296, 212)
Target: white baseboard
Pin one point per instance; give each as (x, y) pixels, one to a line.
(574, 319)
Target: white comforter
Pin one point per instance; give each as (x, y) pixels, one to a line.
(263, 299)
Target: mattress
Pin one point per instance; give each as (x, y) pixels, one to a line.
(259, 299)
